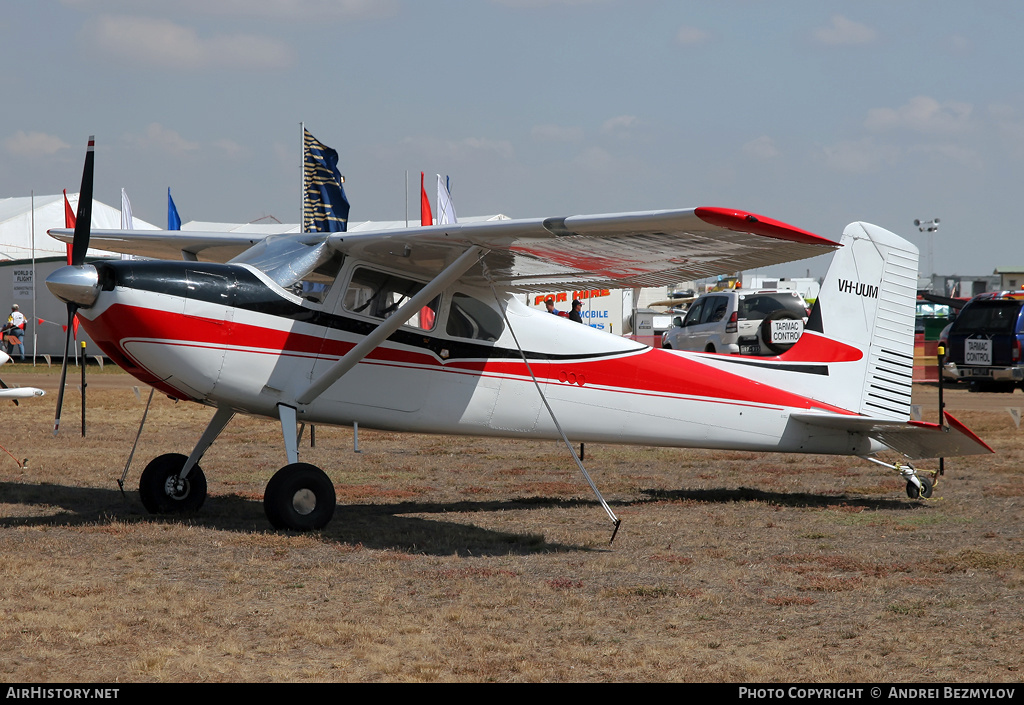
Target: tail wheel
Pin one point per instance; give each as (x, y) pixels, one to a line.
(926, 488)
(162, 490)
(300, 497)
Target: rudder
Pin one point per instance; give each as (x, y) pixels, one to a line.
(867, 301)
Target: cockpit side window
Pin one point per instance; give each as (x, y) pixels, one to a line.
(469, 317)
(379, 295)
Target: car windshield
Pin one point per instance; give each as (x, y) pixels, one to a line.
(987, 317)
(755, 307)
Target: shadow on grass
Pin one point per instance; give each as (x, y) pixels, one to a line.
(383, 526)
(782, 499)
(380, 526)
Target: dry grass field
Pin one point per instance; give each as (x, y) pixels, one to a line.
(463, 559)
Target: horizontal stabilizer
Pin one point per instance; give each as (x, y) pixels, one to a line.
(914, 439)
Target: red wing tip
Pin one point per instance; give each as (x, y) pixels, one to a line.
(743, 221)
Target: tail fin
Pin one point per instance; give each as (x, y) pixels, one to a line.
(867, 302)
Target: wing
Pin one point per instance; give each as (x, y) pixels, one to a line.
(168, 244)
(653, 248)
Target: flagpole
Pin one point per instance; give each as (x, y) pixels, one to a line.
(407, 198)
(33, 226)
(302, 177)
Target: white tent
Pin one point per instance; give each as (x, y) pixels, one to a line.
(28, 255)
(17, 233)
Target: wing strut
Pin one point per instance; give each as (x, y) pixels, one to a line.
(381, 333)
(579, 463)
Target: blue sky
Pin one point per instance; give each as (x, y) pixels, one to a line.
(814, 113)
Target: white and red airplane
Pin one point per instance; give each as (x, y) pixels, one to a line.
(16, 393)
(419, 329)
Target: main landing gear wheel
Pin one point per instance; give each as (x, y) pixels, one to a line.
(300, 497)
(161, 490)
(925, 491)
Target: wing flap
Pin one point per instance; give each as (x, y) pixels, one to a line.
(914, 439)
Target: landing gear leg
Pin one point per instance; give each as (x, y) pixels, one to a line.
(299, 496)
(173, 483)
(917, 485)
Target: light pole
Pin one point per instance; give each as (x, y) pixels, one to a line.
(931, 226)
(928, 226)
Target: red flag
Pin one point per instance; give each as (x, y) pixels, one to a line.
(69, 222)
(41, 321)
(426, 217)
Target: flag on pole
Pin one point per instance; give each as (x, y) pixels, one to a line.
(445, 207)
(69, 222)
(126, 217)
(126, 212)
(426, 217)
(173, 221)
(324, 204)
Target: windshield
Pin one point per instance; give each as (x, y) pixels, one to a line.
(306, 269)
(987, 317)
(755, 307)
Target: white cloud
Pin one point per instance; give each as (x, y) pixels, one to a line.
(1009, 128)
(556, 133)
(618, 124)
(159, 138)
(859, 157)
(229, 148)
(950, 153)
(689, 36)
(162, 43)
(543, 3)
(921, 114)
(845, 32)
(466, 148)
(296, 10)
(595, 160)
(761, 148)
(32, 144)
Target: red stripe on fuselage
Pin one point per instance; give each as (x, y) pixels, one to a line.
(653, 371)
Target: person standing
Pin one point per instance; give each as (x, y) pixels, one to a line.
(15, 330)
(576, 314)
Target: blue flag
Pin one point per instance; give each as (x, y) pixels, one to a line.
(324, 204)
(173, 221)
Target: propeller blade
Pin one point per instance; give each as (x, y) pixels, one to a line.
(63, 370)
(80, 244)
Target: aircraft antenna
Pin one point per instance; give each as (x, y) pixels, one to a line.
(579, 463)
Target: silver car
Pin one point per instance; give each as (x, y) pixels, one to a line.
(740, 322)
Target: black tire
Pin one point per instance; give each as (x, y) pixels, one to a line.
(765, 330)
(300, 497)
(925, 491)
(709, 348)
(160, 491)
